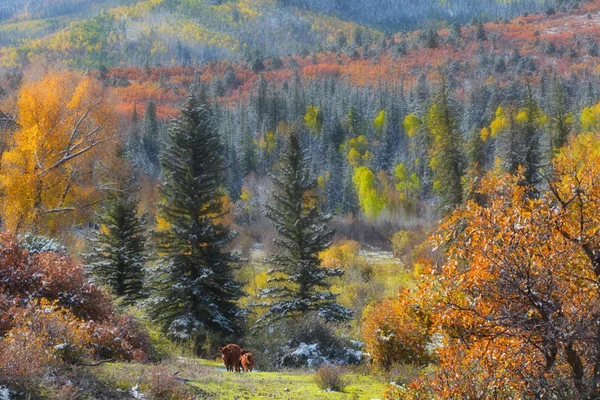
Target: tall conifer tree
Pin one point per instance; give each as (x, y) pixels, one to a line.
(119, 248)
(194, 289)
(150, 139)
(446, 151)
(298, 285)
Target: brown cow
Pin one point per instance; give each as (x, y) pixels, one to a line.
(231, 357)
(247, 361)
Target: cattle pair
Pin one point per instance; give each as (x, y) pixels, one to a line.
(236, 359)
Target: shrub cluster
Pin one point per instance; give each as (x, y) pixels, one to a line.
(52, 317)
(330, 377)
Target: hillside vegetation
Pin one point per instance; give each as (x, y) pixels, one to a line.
(378, 199)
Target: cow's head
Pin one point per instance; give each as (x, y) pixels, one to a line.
(226, 350)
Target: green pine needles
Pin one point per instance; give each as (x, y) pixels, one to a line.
(119, 248)
(194, 292)
(298, 285)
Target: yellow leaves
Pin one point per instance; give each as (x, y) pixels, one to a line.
(407, 186)
(354, 157)
(370, 201)
(248, 8)
(313, 119)
(358, 153)
(322, 180)
(411, 124)
(246, 195)
(65, 120)
(340, 254)
(268, 142)
(541, 119)
(485, 134)
(80, 95)
(590, 118)
(162, 224)
(158, 47)
(499, 123)
(189, 30)
(379, 122)
(522, 116)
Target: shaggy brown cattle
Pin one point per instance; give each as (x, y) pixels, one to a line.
(231, 357)
(247, 361)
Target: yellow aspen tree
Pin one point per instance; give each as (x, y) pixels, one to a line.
(49, 176)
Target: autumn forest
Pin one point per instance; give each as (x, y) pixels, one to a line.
(368, 200)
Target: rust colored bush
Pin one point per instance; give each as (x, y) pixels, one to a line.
(396, 331)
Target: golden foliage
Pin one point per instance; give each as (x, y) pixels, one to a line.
(49, 175)
(513, 306)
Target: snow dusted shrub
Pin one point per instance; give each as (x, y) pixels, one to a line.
(52, 276)
(330, 377)
(396, 331)
(51, 317)
(310, 342)
(122, 337)
(66, 281)
(34, 244)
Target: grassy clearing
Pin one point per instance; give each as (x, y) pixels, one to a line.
(210, 381)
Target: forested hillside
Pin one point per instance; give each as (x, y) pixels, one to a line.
(377, 199)
(184, 32)
(400, 15)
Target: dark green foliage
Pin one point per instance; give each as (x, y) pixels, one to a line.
(532, 137)
(194, 289)
(298, 285)
(561, 117)
(119, 248)
(481, 34)
(358, 36)
(431, 39)
(150, 138)
(446, 151)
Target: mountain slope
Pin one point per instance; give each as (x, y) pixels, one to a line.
(86, 33)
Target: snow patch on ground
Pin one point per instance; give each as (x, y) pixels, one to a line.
(310, 352)
(135, 392)
(4, 393)
(375, 256)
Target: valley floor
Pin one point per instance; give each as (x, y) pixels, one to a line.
(208, 380)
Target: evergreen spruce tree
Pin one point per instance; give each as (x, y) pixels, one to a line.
(298, 285)
(119, 248)
(481, 34)
(134, 142)
(150, 139)
(446, 150)
(531, 136)
(194, 292)
(562, 117)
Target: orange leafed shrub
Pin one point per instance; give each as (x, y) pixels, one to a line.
(397, 331)
(322, 71)
(43, 335)
(514, 306)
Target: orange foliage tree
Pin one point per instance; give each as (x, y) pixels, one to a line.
(49, 176)
(515, 306)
